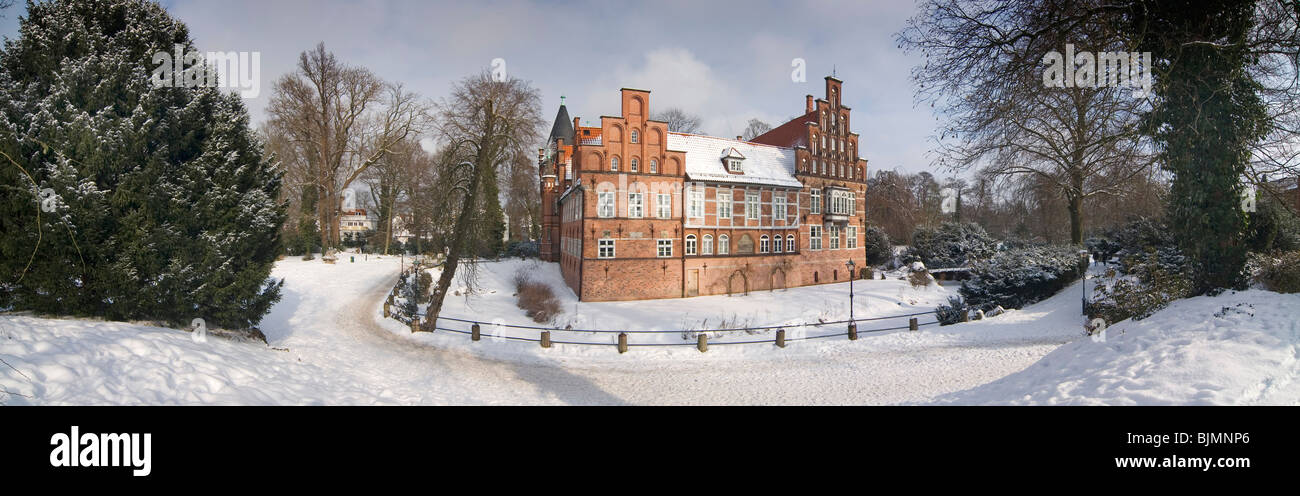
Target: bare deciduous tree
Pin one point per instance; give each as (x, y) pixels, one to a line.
(486, 124)
(341, 120)
(678, 120)
(984, 72)
(754, 129)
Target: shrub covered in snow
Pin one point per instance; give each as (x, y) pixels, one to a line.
(952, 244)
(951, 313)
(1015, 278)
(1149, 282)
(878, 248)
(1280, 273)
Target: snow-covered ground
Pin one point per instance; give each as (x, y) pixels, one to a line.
(329, 344)
(1238, 348)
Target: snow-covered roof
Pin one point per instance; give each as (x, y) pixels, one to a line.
(763, 164)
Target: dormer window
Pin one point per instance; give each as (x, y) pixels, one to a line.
(732, 160)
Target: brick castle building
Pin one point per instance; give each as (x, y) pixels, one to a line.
(632, 211)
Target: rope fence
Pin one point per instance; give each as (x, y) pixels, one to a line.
(544, 337)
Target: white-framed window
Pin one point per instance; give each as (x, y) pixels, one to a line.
(706, 245)
(634, 165)
(733, 165)
(851, 237)
(777, 243)
(654, 166)
(690, 244)
(724, 204)
(636, 205)
(695, 204)
(789, 243)
(751, 206)
(853, 203)
(605, 248)
(613, 164)
(816, 203)
(664, 205)
(636, 137)
(778, 205)
(834, 234)
(605, 204)
(724, 244)
(664, 247)
(814, 237)
(763, 244)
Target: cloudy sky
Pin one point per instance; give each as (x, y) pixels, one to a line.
(725, 61)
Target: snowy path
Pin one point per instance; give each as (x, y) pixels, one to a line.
(337, 353)
(897, 368)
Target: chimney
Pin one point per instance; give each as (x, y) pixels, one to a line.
(739, 138)
(810, 105)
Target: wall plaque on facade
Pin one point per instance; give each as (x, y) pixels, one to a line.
(745, 245)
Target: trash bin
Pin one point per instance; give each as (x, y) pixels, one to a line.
(352, 259)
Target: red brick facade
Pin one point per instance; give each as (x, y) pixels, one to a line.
(629, 215)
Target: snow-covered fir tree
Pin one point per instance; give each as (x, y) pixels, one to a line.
(163, 205)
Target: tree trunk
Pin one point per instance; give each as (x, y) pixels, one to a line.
(461, 235)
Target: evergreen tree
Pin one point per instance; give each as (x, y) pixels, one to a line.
(163, 205)
(1208, 115)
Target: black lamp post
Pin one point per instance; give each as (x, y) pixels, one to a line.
(853, 325)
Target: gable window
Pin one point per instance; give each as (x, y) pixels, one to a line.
(613, 164)
(634, 166)
(724, 204)
(706, 245)
(724, 244)
(664, 205)
(664, 247)
(605, 248)
(733, 165)
(751, 206)
(605, 204)
(636, 137)
(690, 244)
(636, 205)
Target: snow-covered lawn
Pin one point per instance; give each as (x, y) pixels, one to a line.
(1238, 348)
(330, 345)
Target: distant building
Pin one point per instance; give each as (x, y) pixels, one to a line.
(355, 223)
(633, 211)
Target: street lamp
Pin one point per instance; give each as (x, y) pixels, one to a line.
(853, 325)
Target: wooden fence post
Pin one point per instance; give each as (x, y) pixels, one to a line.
(386, 311)
(965, 316)
(780, 338)
(911, 324)
(415, 324)
(474, 332)
(703, 342)
(853, 331)
(546, 339)
(622, 342)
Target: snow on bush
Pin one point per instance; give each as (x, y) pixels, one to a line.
(1280, 272)
(951, 245)
(1015, 278)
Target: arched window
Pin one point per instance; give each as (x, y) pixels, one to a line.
(690, 244)
(724, 244)
(654, 166)
(763, 244)
(707, 248)
(613, 164)
(789, 243)
(634, 165)
(636, 137)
